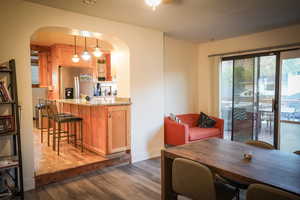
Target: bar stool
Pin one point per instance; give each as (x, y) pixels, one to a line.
(51, 113)
(59, 119)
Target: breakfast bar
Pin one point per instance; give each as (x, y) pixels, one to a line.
(106, 123)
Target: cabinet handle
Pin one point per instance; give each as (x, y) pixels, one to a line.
(109, 115)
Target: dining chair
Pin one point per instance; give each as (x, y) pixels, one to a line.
(260, 144)
(264, 192)
(195, 181)
(239, 185)
(297, 152)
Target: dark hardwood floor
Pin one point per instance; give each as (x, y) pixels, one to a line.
(139, 181)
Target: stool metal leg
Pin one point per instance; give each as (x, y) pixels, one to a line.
(58, 138)
(75, 133)
(42, 128)
(81, 135)
(68, 132)
(48, 129)
(54, 135)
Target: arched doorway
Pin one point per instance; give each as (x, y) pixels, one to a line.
(52, 49)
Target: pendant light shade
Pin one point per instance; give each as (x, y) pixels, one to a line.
(85, 55)
(75, 57)
(153, 3)
(97, 52)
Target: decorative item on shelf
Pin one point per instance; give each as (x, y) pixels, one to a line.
(97, 52)
(7, 124)
(75, 57)
(85, 55)
(4, 93)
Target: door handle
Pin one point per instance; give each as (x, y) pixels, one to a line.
(274, 107)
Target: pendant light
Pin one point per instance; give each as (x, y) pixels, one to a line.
(153, 3)
(85, 55)
(97, 52)
(75, 57)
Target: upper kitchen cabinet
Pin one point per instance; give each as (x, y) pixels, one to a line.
(63, 56)
(43, 69)
(40, 66)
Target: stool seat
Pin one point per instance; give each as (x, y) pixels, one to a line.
(59, 114)
(66, 118)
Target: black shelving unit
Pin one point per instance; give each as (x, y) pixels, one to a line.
(11, 165)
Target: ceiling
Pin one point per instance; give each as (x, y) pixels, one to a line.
(57, 35)
(194, 20)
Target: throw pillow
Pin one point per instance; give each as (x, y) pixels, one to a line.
(205, 121)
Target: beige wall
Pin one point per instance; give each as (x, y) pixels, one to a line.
(19, 20)
(180, 75)
(207, 76)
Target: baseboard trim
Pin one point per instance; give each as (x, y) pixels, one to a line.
(137, 157)
(28, 184)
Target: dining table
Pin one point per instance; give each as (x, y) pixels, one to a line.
(270, 167)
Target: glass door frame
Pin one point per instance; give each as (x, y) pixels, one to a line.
(280, 86)
(275, 105)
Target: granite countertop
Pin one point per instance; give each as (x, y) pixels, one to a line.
(98, 102)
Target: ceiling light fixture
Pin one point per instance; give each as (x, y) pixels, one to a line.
(75, 57)
(89, 2)
(153, 3)
(85, 55)
(97, 52)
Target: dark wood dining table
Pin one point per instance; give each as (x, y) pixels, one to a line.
(271, 167)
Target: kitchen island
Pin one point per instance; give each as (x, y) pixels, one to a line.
(106, 123)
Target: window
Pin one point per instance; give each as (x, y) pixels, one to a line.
(35, 68)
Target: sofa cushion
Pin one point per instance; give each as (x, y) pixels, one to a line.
(205, 121)
(197, 133)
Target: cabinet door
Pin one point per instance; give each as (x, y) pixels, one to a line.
(118, 129)
(43, 69)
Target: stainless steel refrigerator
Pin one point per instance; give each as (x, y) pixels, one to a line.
(78, 78)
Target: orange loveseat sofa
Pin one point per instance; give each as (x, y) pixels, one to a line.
(187, 130)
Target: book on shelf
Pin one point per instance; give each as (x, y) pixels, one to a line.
(4, 93)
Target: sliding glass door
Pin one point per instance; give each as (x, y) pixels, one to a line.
(290, 101)
(250, 113)
(243, 99)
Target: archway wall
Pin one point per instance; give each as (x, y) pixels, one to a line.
(20, 19)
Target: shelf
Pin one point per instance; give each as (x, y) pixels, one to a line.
(8, 133)
(5, 70)
(9, 102)
(9, 162)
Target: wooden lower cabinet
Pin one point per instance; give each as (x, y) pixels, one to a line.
(106, 129)
(118, 129)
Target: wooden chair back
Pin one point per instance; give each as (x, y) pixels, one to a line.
(260, 144)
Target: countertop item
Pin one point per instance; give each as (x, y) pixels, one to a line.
(98, 101)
